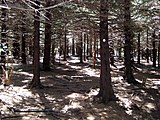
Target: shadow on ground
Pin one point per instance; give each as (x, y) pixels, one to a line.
(68, 95)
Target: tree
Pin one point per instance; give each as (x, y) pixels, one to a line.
(138, 47)
(81, 47)
(106, 92)
(23, 46)
(154, 50)
(47, 42)
(36, 63)
(128, 33)
(65, 44)
(159, 51)
(3, 33)
(73, 45)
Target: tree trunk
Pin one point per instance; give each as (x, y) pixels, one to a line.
(23, 55)
(138, 57)
(65, 45)
(73, 46)
(128, 74)
(16, 50)
(81, 48)
(106, 92)
(87, 46)
(90, 50)
(3, 33)
(53, 52)
(47, 42)
(97, 51)
(94, 54)
(154, 50)
(16, 46)
(84, 47)
(147, 50)
(36, 63)
(159, 52)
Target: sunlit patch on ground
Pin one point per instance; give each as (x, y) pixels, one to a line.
(69, 93)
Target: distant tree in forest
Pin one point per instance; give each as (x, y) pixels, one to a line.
(23, 42)
(3, 34)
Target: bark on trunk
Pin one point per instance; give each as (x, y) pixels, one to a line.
(36, 63)
(3, 33)
(128, 73)
(47, 42)
(154, 50)
(81, 49)
(159, 52)
(23, 55)
(106, 93)
(94, 53)
(138, 57)
(65, 45)
(73, 46)
(90, 50)
(84, 47)
(87, 46)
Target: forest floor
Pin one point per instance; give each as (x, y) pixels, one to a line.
(68, 94)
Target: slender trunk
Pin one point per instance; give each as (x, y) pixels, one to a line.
(147, 50)
(94, 54)
(90, 51)
(53, 52)
(159, 53)
(84, 47)
(16, 44)
(23, 44)
(73, 46)
(97, 51)
(120, 53)
(3, 26)
(65, 45)
(87, 46)
(16, 48)
(3, 33)
(31, 47)
(36, 63)
(47, 42)
(127, 47)
(81, 48)
(138, 58)
(154, 50)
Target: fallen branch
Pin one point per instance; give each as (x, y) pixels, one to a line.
(32, 110)
(51, 112)
(7, 117)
